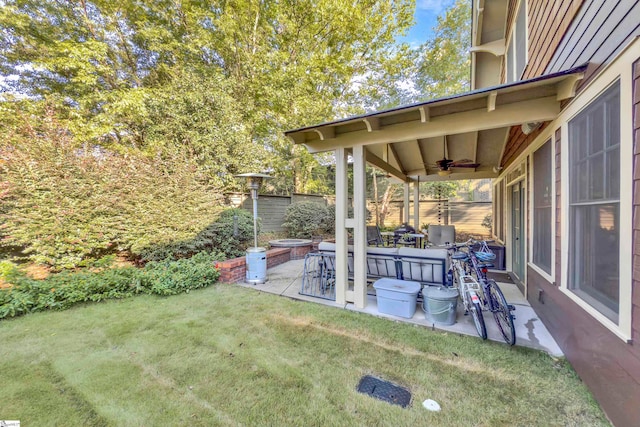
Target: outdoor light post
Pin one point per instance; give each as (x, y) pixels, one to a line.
(256, 259)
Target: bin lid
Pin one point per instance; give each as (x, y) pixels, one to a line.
(440, 293)
(256, 249)
(396, 285)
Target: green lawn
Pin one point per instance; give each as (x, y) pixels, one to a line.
(227, 355)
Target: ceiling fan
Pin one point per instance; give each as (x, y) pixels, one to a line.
(444, 165)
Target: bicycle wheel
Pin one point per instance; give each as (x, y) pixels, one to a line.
(478, 319)
(501, 313)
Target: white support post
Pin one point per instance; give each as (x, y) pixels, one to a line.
(407, 203)
(342, 274)
(359, 227)
(416, 205)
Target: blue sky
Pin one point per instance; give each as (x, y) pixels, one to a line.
(426, 15)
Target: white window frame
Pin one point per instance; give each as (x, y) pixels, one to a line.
(499, 204)
(620, 69)
(511, 63)
(548, 136)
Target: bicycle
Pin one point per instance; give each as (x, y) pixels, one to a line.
(493, 299)
(469, 289)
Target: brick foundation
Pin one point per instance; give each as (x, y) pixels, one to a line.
(235, 270)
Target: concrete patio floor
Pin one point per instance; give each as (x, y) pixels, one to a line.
(286, 279)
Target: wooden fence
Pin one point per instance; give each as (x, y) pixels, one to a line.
(466, 216)
(271, 209)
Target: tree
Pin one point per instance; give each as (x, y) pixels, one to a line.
(269, 64)
(441, 66)
(444, 64)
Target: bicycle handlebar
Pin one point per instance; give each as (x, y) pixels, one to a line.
(468, 243)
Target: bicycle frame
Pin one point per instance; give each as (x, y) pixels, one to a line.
(467, 284)
(492, 298)
(481, 275)
(469, 290)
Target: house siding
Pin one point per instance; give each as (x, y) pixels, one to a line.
(517, 143)
(609, 366)
(635, 290)
(596, 32)
(565, 34)
(599, 31)
(547, 22)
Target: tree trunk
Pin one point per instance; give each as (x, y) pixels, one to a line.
(389, 192)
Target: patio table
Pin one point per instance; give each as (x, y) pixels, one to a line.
(417, 240)
(388, 237)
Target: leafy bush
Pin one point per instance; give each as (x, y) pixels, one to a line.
(61, 291)
(229, 235)
(8, 271)
(487, 222)
(65, 204)
(305, 219)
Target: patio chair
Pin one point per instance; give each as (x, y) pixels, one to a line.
(441, 234)
(374, 238)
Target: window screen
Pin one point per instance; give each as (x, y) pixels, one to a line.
(542, 212)
(594, 203)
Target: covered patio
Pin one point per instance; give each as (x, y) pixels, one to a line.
(458, 137)
(286, 279)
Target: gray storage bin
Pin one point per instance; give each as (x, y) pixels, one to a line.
(397, 297)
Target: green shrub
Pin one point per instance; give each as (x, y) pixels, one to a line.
(64, 204)
(229, 235)
(8, 271)
(487, 222)
(173, 277)
(305, 219)
(62, 290)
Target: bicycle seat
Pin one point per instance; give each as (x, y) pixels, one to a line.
(485, 265)
(459, 255)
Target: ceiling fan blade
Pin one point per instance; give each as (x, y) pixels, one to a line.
(464, 165)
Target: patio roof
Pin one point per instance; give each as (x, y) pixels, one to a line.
(407, 141)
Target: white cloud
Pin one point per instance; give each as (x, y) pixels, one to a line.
(435, 6)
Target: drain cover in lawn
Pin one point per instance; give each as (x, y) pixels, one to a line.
(384, 390)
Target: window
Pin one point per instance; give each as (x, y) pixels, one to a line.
(516, 58)
(594, 203)
(521, 39)
(510, 60)
(542, 212)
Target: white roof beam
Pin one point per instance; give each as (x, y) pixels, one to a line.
(491, 101)
(381, 164)
(567, 88)
(536, 110)
(469, 174)
(326, 133)
(424, 114)
(423, 156)
(373, 123)
(394, 153)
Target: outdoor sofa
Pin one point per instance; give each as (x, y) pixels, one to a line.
(427, 266)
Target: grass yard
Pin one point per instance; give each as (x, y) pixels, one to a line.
(227, 355)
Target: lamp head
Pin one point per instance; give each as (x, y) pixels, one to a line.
(254, 180)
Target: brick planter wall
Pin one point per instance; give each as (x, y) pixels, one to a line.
(235, 270)
(298, 252)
